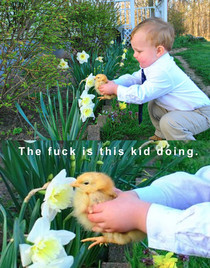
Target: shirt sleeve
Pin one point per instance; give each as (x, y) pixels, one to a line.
(128, 80)
(180, 231)
(157, 84)
(179, 190)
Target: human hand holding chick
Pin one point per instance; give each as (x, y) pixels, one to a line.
(125, 213)
(94, 188)
(105, 87)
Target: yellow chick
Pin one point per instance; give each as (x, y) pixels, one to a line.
(93, 188)
(101, 79)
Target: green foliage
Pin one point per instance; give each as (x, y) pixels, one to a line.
(187, 40)
(17, 130)
(176, 18)
(112, 59)
(29, 170)
(29, 31)
(60, 119)
(91, 25)
(141, 256)
(124, 124)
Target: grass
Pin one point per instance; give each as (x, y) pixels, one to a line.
(198, 59)
(126, 127)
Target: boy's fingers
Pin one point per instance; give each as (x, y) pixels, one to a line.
(117, 191)
(95, 208)
(95, 218)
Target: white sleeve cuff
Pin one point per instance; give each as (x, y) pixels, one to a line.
(152, 194)
(161, 226)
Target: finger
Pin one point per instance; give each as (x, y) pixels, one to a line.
(96, 218)
(96, 208)
(117, 191)
(108, 230)
(97, 229)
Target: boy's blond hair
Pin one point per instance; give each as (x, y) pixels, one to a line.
(158, 32)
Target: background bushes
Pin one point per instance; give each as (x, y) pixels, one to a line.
(91, 24)
(31, 30)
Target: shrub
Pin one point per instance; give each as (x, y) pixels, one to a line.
(176, 18)
(29, 31)
(186, 40)
(91, 24)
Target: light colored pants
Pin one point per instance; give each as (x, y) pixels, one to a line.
(178, 125)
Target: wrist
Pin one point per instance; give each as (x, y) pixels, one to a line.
(115, 89)
(141, 215)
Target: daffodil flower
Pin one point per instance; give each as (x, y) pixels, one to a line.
(123, 56)
(58, 195)
(46, 247)
(82, 57)
(99, 59)
(90, 82)
(122, 105)
(63, 65)
(86, 112)
(121, 64)
(112, 42)
(124, 42)
(161, 145)
(125, 50)
(86, 99)
(166, 261)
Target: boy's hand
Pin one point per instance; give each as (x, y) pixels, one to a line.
(126, 212)
(108, 88)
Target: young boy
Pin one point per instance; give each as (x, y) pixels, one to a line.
(174, 211)
(177, 107)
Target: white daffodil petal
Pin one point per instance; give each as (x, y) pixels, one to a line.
(55, 181)
(58, 195)
(25, 254)
(86, 112)
(90, 81)
(85, 94)
(62, 263)
(63, 235)
(65, 262)
(47, 212)
(60, 175)
(82, 57)
(40, 228)
(63, 64)
(47, 249)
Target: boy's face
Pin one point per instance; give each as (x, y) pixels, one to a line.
(144, 52)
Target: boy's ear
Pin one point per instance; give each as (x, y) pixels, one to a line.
(160, 50)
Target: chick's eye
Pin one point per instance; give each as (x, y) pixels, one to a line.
(86, 182)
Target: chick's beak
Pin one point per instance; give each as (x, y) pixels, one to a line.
(74, 184)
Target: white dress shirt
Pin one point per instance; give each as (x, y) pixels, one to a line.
(171, 88)
(179, 218)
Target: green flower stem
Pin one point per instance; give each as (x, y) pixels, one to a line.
(4, 243)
